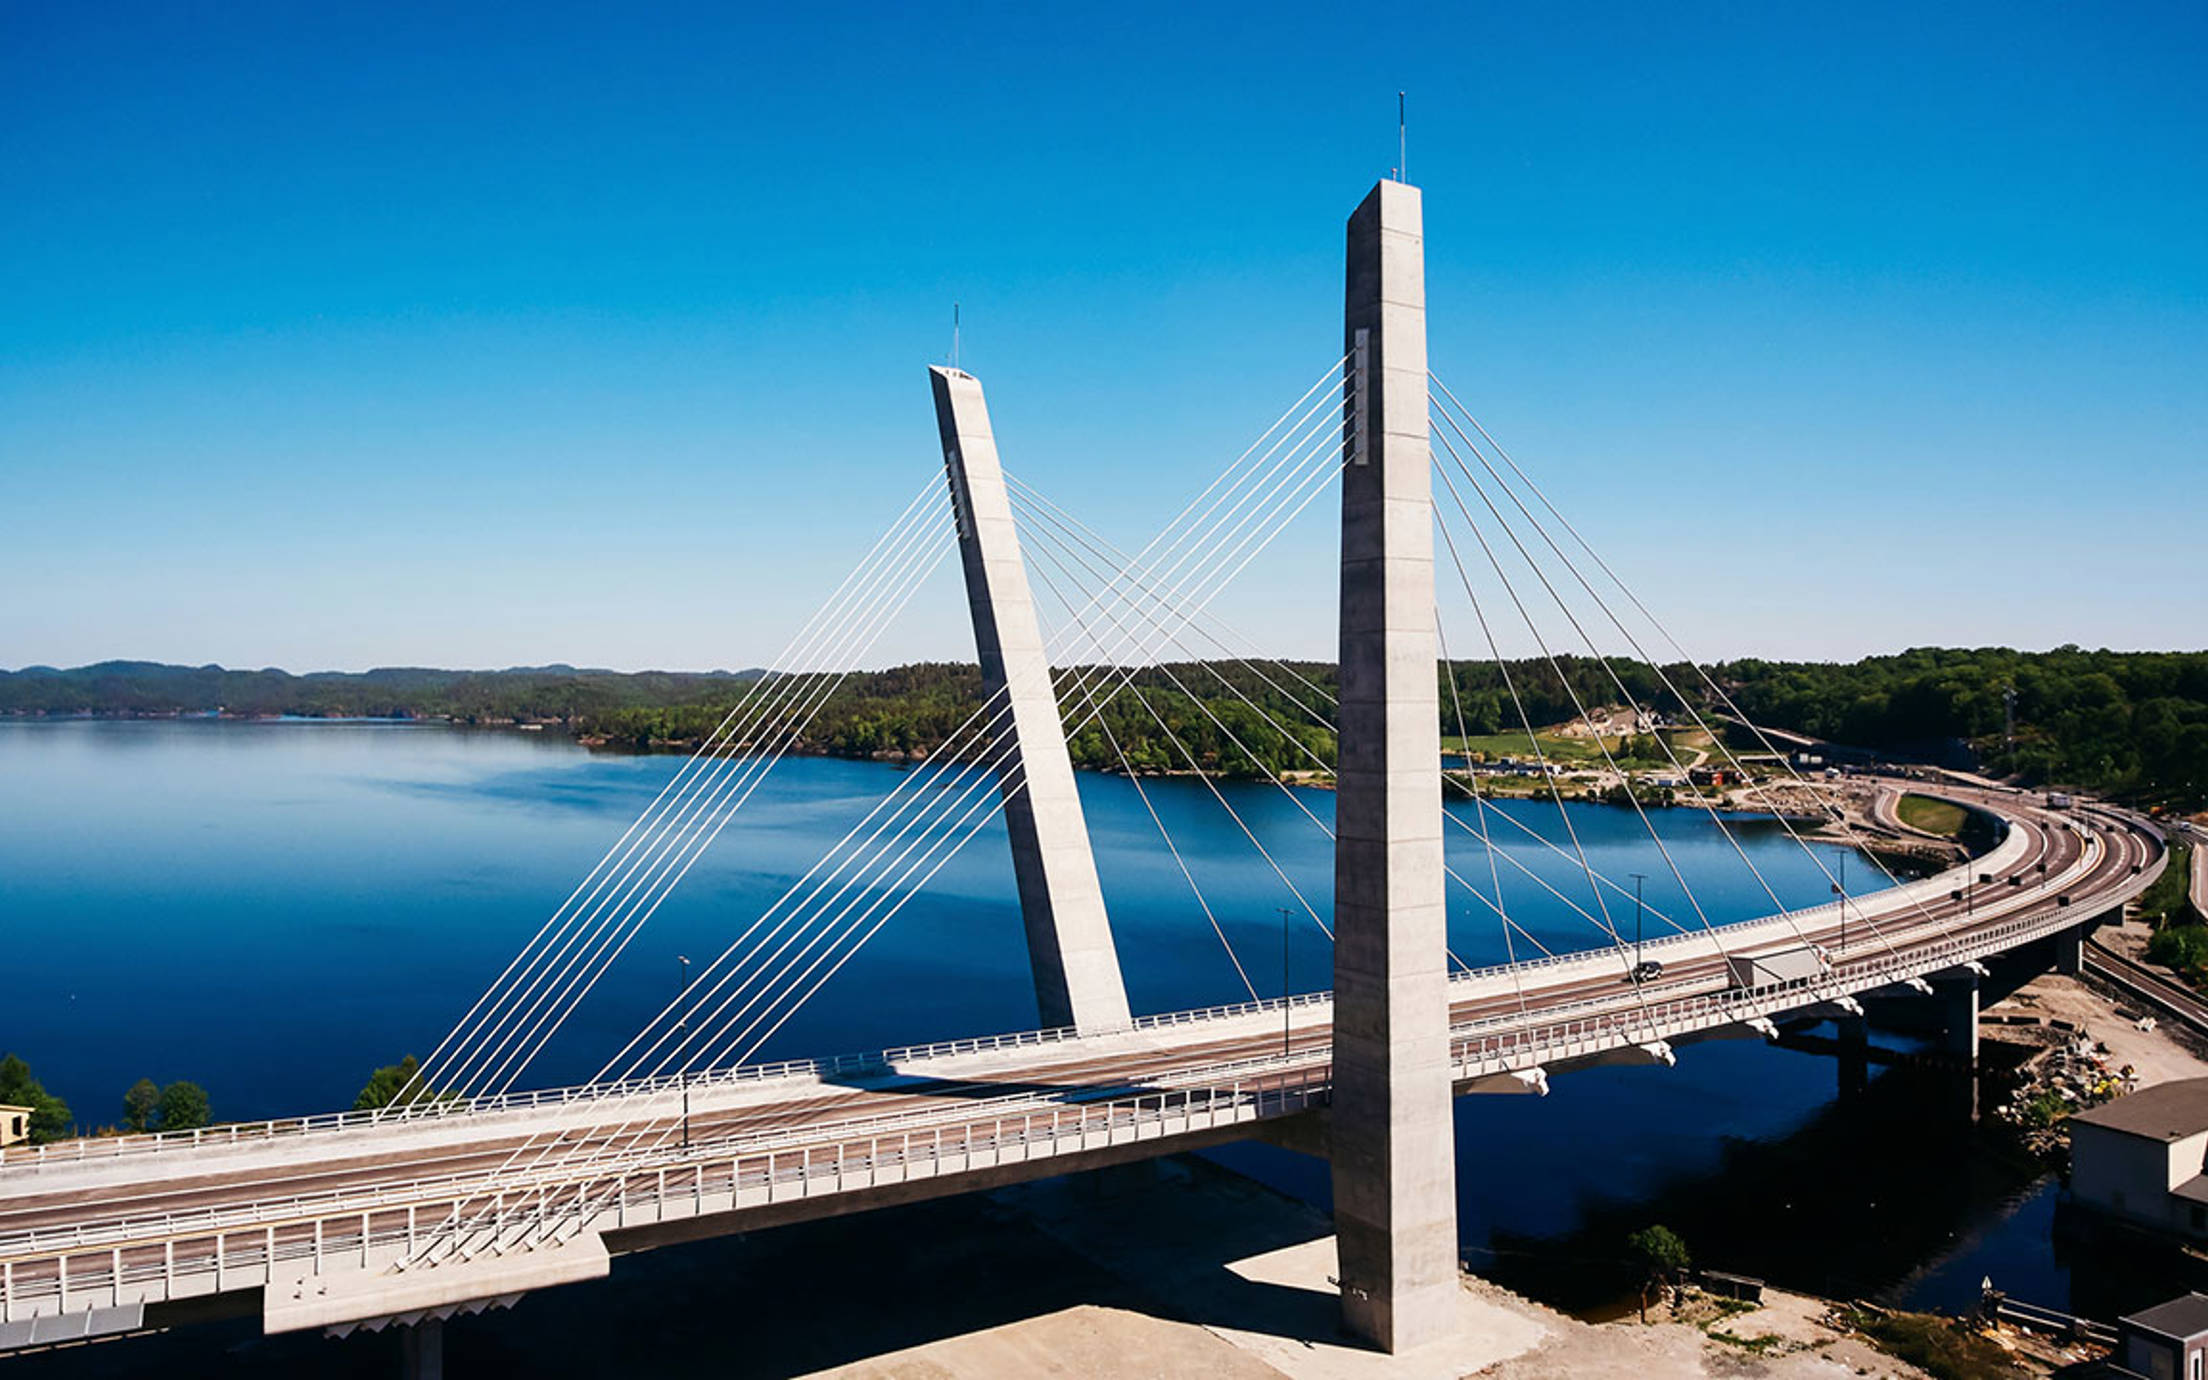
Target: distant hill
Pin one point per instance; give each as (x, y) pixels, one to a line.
(562, 693)
(2134, 724)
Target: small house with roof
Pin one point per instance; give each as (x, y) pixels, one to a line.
(2166, 1342)
(2143, 1160)
(15, 1125)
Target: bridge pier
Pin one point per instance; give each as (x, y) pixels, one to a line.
(1069, 937)
(2070, 950)
(422, 1350)
(1392, 1149)
(1958, 1002)
(1854, 1036)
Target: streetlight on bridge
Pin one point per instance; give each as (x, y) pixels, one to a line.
(684, 1025)
(1638, 878)
(1840, 889)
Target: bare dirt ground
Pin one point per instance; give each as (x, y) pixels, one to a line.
(2155, 1056)
(1785, 1339)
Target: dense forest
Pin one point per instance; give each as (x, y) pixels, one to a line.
(2134, 724)
(560, 693)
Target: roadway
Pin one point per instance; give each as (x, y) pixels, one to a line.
(2199, 842)
(157, 1219)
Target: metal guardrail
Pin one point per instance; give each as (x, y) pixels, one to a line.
(876, 1062)
(240, 1254)
(2050, 1320)
(2170, 998)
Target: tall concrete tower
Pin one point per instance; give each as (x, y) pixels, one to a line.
(1069, 939)
(1394, 1161)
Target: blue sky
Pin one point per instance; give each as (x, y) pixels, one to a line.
(338, 336)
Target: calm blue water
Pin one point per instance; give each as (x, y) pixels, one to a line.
(273, 909)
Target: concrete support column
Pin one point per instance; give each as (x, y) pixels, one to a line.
(1958, 999)
(2070, 950)
(1393, 1157)
(422, 1351)
(1069, 938)
(1854, 1035)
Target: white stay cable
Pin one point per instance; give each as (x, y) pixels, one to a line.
(1190, 757)
(830, 616)
(1065, 553)
(1526, 721)
(1716, 738)
(1104, 724)
(1235, 504)
(1479, 811)
(1578, 707)
(1241, 516)
(1107, 554)
(678, 845)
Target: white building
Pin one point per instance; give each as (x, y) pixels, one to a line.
(2167, 1342)
(2143, 1159)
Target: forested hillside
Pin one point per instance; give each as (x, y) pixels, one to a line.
(2131, 723)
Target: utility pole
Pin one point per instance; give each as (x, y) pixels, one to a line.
(684, 1025)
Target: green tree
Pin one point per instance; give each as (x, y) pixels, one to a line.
(139, 1105)
(50, 1119)
(1663, 1255)
(386, 1085)
(184, 1107)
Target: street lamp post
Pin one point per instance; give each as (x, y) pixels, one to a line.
(1285, 916)
(1638, 878)
(1840, 888)
(684, 1025)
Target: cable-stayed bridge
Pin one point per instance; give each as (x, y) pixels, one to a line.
(472, 1189)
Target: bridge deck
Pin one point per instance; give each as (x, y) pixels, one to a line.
(319, 1218)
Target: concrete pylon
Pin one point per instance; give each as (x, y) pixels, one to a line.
(1069, 939)
(1393, 1156)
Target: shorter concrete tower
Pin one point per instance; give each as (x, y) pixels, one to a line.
(1069, 939)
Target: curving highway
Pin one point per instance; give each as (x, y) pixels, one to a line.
(332, 1221)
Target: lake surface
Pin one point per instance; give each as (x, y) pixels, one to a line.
(272, 909)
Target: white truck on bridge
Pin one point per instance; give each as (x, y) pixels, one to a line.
(1775, 967)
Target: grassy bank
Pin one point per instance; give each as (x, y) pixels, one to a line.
(1932, 816)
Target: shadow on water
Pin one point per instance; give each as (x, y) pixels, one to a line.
(1846, 1205)
(1890, 1195)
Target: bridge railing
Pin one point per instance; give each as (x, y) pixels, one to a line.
(241, 1247)
(647, 1145)
(1486, 1045)
(847, 1065)
(34, 1266)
